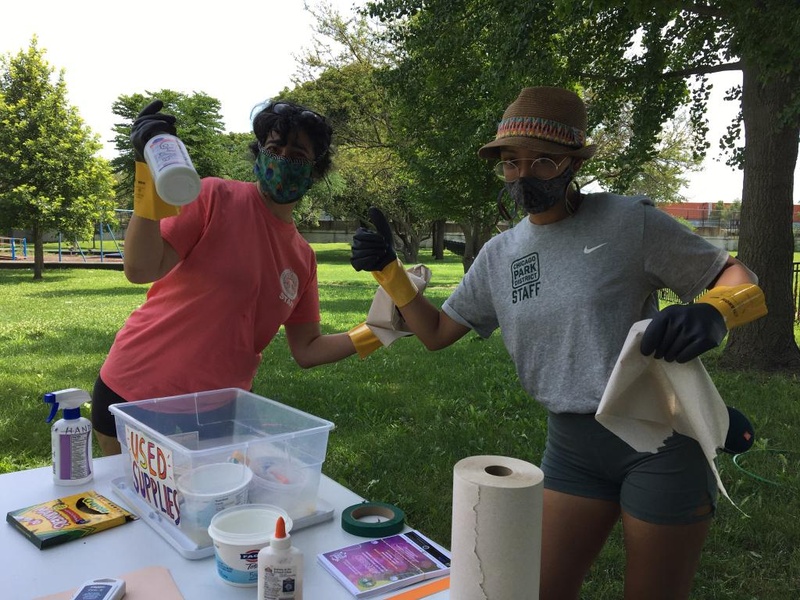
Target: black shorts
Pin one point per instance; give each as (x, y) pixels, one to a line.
(216, 423)
(103, 397)
(668, 487)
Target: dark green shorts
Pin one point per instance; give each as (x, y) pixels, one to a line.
(668, 487)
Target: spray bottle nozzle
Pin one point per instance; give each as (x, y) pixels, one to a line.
(51, 399)
(68, 400)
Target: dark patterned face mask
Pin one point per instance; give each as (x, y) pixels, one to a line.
(538, 195)
(284, 179)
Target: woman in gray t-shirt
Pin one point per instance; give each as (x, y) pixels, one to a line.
(564, 286)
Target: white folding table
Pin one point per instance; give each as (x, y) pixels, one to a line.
(27, 572)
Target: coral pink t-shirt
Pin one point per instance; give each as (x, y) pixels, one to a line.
(243, 273)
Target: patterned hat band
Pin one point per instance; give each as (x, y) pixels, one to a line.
(542, 129)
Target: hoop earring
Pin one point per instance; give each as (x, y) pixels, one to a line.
(501, 207)
(571, 210)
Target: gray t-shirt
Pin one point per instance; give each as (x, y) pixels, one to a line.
(564, 295)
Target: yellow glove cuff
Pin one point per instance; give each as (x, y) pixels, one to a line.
(394, 279)
(364, 340)
(738, 304)
(146, 202)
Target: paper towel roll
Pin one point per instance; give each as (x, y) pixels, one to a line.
(497, 529)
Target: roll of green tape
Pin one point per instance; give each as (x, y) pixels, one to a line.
(379, 519)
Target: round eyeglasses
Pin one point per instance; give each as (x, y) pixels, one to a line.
(541, 168)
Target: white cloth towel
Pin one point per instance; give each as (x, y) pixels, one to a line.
(384, 319)
(646, 399)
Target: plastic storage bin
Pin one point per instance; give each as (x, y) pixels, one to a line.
(280, 448)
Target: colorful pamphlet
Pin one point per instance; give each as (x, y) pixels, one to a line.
(69, 518)
(376, 566)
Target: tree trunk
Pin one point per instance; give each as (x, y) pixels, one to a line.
(38, 252)
(410, 248)
(765, 239)
(438, 239)
(476, 234)
(469, 248)
(409, 238)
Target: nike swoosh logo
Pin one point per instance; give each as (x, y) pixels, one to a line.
(587, 250)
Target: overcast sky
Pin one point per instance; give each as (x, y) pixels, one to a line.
(237, 51)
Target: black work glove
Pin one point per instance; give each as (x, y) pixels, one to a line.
(148, 123)
(373, 250)
(682, 332)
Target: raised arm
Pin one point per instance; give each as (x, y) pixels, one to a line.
(147, 256)
(374, 251)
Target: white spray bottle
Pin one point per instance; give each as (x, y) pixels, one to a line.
(71, 437)
(175, 178)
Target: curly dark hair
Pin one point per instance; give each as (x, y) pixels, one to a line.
(283, 117)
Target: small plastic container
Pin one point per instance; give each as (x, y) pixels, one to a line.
(283, 482)
(176, 180)
(207, 490)
(238, 533)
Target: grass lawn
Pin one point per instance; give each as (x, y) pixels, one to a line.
(405, 416)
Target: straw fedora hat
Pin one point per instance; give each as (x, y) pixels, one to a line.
(545, 119)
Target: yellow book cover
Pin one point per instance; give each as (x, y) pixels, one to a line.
(69, 518)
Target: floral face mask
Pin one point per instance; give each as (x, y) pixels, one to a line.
(284, 179)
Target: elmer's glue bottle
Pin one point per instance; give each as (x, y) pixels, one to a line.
(71, 437)
(280, 567)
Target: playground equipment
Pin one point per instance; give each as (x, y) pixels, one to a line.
(10, 247)
(101, 231)
(111, 234)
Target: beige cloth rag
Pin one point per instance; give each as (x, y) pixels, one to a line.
(384, 319)
(646, 399)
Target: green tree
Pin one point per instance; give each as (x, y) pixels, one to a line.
(640, 59)
(662, 56)
(51, 176)
(448, 100)
(326, 193)
(732, 211)
(237, 157)
(462, 62)
(341, 76)
(663, 176)
(199, 126)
